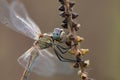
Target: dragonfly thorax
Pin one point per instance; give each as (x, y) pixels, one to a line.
(44, 42)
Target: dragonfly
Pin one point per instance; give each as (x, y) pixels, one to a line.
(37, 59)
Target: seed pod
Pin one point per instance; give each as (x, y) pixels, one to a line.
(68, 43)
(79, 39)
(86, 63)
(64, 25)
(76, 65)
(65, 21)
(77, 27)
(63, 14)
(74, 15)
(79, 72)
(84, 51)
(71, 3)
(82, 75)
(62, 8)
(74, 24)
(71, 37)
(61, 1)
(72, 51)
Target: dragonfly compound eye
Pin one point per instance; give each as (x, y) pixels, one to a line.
(57, 33)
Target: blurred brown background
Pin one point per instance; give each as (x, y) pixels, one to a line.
(100, 28)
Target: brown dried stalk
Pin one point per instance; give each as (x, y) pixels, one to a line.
(69, 17)
(68, 14)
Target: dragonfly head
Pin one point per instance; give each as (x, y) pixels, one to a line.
(57, 33)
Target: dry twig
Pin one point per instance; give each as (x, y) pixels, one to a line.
(67, 13)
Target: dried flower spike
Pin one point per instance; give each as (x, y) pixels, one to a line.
(73, 39)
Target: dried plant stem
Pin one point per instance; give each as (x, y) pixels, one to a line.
(69, 18)
(72, 31)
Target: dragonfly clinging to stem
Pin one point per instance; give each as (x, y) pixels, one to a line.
(37, 59)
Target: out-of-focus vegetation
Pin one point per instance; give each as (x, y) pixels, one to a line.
(115, 47)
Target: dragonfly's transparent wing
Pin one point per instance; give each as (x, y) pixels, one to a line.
(16, 17)
(5, 13)
(60, 67)
(45, 63)
(42, 65)
(22, 22)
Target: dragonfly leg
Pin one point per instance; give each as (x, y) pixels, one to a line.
(27, 69)
(63, 50)
(61, 58)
